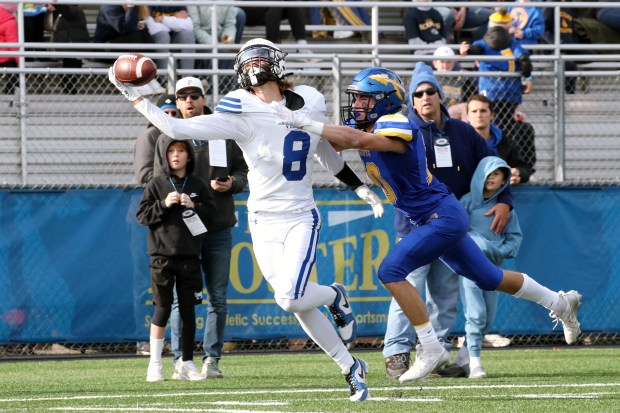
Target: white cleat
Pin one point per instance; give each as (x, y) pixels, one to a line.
(426, 362)
(568, 318)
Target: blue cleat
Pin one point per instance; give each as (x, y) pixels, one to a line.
(342, 314)
(356, 378)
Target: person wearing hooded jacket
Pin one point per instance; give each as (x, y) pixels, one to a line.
(491, 178)
(464, 148)
(170, 199)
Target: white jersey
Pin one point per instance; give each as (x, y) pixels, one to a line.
(280, 159)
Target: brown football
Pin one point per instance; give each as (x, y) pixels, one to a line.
(135, 69)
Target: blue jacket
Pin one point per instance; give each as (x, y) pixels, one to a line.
(530, 20)
(496, 247)
(467, 147)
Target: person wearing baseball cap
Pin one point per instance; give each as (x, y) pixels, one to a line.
(189, 82)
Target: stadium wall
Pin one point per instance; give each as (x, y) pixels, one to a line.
(74, 268)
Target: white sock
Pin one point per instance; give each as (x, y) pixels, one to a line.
(427, 336)
(462, 356)
(323, 333)
(157, 346)
(474, 362)
(532, 291)
(302, 41)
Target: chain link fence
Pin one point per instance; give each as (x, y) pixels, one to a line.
(63, 128)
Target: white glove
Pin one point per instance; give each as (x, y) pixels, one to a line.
(295, 120)
(127, 89)
(369, 196)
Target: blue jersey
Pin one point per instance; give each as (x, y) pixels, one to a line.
(501, 88)
(404, 178)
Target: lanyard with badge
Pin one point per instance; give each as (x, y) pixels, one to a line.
(443, 153)
(190, 217)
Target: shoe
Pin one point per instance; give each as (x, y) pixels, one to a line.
(396, 365)
(343, 315)
(569, 317)
(143, 348)
(425, 362)
(186, 370)
(495, 340)
(478, 373)
(210, 369)
(453, 370)
(154, 372)
(343, 34)
(356, 378)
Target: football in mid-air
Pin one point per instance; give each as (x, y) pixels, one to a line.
(135, 69)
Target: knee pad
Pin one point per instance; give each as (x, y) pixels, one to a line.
(161, 316)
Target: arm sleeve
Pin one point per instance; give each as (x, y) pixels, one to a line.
(202, 30)
(512, 237)
(176, 24)
(349, 178)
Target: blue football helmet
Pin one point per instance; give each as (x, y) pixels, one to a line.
(385, 86)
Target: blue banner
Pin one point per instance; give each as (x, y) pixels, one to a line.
(73, 265)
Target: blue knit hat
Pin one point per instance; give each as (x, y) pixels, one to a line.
(423, 73)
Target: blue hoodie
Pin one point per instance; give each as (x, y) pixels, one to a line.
(496, 247)
(468, 148)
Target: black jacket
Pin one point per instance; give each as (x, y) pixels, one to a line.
(168, 235)
(236, 168)
(70, 24)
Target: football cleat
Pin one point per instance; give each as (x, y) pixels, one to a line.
(426, 362)
(342, 314)
(396, 365)
(568, 318)
(356, 378)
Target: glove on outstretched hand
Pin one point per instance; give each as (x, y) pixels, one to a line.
(369, 196)
(127, 89)
(295, 120)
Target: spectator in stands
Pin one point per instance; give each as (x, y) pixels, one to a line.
(453, 151)
(222, 166)
(34, 21)
(341, 17)
(490, 179)
(228, 31)
(271, 18)
(505, 92)
(568, 35)
(472, 19)
(172, 25)
(528, 24)
(610, 17)
(456, 90)
(168, 201)
(69, 27)
(480, 115)
(424, 26)
(122, 24)
(8, 34)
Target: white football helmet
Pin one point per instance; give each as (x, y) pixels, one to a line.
(267, 59)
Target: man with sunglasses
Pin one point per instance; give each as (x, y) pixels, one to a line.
(453, 151)
(221, 165)
(392, 148)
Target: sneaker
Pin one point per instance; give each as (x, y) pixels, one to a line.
(569, 317)
(425, 362)
(477, 373)
(396, 365)
(453, 370)
(343, 315)
(186, 370)
(356, 377)
(210, 369)
(343, 34)
(495, 340)
(143, 348)
(154, 372)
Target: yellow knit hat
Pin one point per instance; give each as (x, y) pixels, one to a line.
(501, 20)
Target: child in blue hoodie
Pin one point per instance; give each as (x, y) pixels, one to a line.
(492, 177)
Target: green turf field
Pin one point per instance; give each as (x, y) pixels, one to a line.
(521, 380)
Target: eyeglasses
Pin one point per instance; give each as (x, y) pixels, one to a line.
(192, 95)
(430, 92)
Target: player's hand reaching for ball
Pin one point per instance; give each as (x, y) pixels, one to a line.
(126, 89)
